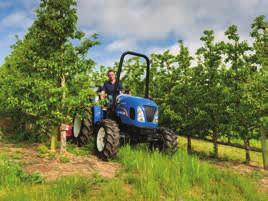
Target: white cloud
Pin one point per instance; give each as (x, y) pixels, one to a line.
(156, 19)
(173, 49)
(122, 45)
(138, 18)
(16, 20)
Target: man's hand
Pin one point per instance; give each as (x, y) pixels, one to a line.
(102, 95)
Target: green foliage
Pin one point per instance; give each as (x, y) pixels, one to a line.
(242, 82)
(49, 74)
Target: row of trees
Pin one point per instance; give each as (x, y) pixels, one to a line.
(221, 92)
(46, 76)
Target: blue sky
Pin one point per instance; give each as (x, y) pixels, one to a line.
(142, 25)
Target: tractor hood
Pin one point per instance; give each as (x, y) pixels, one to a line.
(131, 108)
(134, 101)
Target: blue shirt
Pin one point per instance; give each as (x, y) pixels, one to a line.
(108, 87)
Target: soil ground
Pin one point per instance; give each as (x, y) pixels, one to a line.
(52, 169)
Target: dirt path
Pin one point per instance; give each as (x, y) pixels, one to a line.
(52, 169)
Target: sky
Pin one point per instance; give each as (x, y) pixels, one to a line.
(145, 26)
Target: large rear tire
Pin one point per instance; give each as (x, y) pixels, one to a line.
(169, 142)
(83, 128)
(107, 139)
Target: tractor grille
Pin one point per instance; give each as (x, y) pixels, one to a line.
(149, 112)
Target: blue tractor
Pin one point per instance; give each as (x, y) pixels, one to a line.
(129, 119)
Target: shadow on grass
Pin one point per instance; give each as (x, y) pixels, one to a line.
(209, 156)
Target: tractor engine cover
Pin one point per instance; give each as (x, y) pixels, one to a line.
(137, 111)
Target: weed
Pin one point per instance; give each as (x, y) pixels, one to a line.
(64, 159)
(40, 155)
(51, 155)
(42, 149)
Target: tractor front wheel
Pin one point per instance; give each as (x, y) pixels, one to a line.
(107, 139)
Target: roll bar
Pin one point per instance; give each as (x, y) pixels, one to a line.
(120, 69)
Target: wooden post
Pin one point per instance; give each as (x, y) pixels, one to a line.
(247, 150)
(63, 130)
(63, 127)
(264, 145)
(189, 144)
(215, 143)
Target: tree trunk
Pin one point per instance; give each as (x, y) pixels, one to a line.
(229, 140)
(264, 144)
(63, 127)
(53, 139)
(63, 130)
(189, 144)
(215, 144)
(247, 149)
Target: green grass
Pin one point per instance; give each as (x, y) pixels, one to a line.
(253, 142)
(81, 151)
(12, 175)
(143, 176)
(204, 149)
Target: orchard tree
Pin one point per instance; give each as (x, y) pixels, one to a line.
(133, 76)
(260, 35)
(211, 88)
(181, 97)
(53, 72)
(99, 76)
(241, 79)
(163, 78)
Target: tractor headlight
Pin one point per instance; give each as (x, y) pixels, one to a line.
(140, 115)
(156, 117)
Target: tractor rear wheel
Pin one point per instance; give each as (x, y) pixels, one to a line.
(107, 139)
(83, 128)
(169, 142)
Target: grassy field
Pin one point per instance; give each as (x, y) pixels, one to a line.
(204, 150)
(143, 176)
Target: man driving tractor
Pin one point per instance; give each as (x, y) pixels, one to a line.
(107, 89)
(108, 86)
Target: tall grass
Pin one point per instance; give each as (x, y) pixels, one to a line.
(143, 176)
(182, 177)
